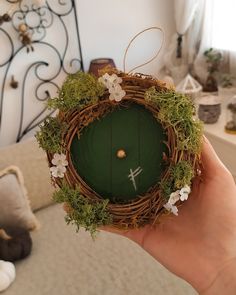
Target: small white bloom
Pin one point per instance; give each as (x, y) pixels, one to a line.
(110, 80)
(114, 79)
(58, 171)
(116, 93)
(171, 208)
(59, 160)
(105, 80)
(174, 197)
(184, 192)
(112, 83)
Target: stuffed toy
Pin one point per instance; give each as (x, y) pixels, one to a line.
(7, 274)
(15, 244)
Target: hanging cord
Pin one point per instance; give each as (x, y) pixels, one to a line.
(179, 45)
(150, 60)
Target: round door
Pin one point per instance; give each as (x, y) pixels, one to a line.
(120, 155)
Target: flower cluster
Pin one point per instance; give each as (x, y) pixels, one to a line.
(181, 195)
(59, 169)
(112, 83)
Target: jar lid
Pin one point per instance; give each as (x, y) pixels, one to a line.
(209, 100)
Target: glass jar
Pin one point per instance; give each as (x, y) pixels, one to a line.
(230, 126)
(209, 109)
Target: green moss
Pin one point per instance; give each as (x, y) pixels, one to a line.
(177, 110)
(50, 135)
(78, 91)
(181, 174)
(85, 213)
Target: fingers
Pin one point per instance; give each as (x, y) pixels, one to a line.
(136, 235)
(211, 162)
(114, 230)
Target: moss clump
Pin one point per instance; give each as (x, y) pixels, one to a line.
(50, 135)
(84, 214)
(181, 174)
(78, 91)
(177, 110)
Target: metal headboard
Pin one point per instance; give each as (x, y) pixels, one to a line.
(53, 28)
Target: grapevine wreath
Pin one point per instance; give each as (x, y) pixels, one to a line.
(123, 149)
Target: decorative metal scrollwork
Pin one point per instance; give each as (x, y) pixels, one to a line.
(53, 28)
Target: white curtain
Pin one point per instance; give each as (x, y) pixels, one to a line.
(200, 66)
(188, 17)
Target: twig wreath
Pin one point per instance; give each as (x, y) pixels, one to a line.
(84, 99)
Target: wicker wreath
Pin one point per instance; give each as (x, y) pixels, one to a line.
(182, 161)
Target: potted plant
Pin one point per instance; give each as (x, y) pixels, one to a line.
(213, 59)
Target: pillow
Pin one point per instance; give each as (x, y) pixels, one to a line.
(15, 209)
(33, 163)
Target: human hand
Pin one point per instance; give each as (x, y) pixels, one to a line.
(198, 245)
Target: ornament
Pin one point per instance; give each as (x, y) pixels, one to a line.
(25, 37)
(5, 18)
(14, 84)
(93, 134)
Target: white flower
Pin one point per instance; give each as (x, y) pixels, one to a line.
(184, 192)
(171, 208)
(174, 197)
(114, 79)
(105, 80)
(116, 93)
(58, 171)
(110, 80)
(112, 83)
(59, 160)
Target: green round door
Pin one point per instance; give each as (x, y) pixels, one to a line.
(131, 132)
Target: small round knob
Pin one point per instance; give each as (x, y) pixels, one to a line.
(121, 154)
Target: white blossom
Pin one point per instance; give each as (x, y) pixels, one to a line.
(116, 93)
(184, 192)
(114, 79)
(174, 197)
(105, 80)
(58, 171)
(181, 195)
(171, 208)
(112, 83)
(59, 160)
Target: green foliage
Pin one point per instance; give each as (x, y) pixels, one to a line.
(213, 59)
(85, 213)
(177, 110)
(50, 135)
(227, 81)
(181, 174)
(78, 91)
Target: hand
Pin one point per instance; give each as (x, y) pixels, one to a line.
(199, 245)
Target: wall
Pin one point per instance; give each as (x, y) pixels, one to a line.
(106, 27)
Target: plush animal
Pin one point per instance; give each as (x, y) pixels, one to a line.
(7, 274)
(15, 244)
